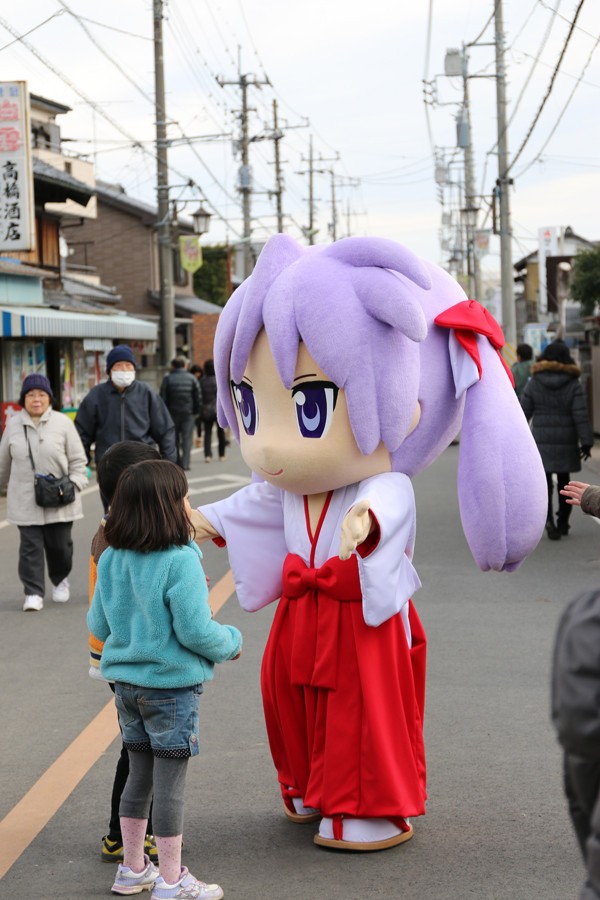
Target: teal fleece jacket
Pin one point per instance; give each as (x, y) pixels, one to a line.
(152, 612)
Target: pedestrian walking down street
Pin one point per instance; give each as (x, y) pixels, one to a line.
(180, 391)
(154, 574)
(42, 438)
(554, 402)
(521, 370)
(197, 372)
(209, 412)
(124, 409)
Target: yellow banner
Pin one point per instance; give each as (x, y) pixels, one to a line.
(190, 252)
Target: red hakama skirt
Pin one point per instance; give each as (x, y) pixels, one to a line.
(343, 700)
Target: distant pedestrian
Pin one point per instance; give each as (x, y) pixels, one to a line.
(209, 412)
(197, 372)
(181, 393)
(124, 409)
(554, 402)
(521, 370)
(42, 439)
(151, 573)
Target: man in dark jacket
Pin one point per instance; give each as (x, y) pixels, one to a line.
(180, 391)
(123, 409)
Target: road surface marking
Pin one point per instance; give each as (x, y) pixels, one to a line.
(33, 812)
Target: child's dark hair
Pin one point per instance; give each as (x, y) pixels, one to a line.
(118, 458)
(147, 512)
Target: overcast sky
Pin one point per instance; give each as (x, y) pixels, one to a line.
(351, 76)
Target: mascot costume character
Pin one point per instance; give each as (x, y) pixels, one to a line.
(344, 370)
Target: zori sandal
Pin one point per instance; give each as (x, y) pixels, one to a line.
(363, 834)
(289, 808)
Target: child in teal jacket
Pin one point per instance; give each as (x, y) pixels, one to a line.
(150, 607)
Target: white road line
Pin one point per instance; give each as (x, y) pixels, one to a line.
(219, 487)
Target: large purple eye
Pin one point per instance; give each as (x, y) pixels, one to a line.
(245, 402)
(315, 402)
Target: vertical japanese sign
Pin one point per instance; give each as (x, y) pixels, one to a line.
(17, 219)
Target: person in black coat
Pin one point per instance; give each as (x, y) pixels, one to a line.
(208, 383)
(182, 396)
(554, 402)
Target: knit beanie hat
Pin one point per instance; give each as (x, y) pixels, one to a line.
(35, 382)
(120, 353)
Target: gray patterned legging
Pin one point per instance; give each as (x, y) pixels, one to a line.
(164, 776)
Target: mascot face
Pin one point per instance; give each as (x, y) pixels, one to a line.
(300, 439)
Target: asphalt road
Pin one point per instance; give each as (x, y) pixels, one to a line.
(496, 825)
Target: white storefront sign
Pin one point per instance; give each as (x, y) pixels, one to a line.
(17, 219)
(548, 240)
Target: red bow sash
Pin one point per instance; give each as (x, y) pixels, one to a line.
(469, 318)
(317, 621)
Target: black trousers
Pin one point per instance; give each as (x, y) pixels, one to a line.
(52, 541)
(564, 509)
(582, 788)
(184, 437)
(208, 427)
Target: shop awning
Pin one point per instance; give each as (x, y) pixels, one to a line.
(36, 321)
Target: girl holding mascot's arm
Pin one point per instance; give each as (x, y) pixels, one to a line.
(340, 386)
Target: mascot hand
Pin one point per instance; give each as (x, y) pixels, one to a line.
(355, 528)
(202, 527)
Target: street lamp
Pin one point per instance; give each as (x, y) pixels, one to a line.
(201, 219)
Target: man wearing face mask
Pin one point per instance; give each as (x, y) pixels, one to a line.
(123, 409)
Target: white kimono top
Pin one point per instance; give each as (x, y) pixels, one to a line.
(261, 524)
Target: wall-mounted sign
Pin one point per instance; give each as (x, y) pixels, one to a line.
(190, 252)
(17, 218)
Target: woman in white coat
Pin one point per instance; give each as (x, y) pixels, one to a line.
(56, 449)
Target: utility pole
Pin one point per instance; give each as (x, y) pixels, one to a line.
(503, 184)
(333, 207)
(311, 195)
(245, 172)
(331, 173)
(277, 135)
(311, 171)
(163, 228)
(333, 223)
(472, 207)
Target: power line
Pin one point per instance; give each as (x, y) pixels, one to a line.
(563, 110)
(101, 112)
(31, 30)
(549, 89)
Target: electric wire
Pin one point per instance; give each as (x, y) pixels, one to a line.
(562, 112)
(59, 12)
(548, 90)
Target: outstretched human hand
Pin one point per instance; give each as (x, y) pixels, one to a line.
(573, 491)
(355, 528)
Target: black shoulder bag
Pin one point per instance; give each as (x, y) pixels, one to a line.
(49, 490)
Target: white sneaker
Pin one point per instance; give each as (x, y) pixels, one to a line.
(60, 592)
(33, 601)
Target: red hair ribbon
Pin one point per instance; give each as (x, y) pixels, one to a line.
(469, 318)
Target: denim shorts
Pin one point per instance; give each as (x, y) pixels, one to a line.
(162, 721)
